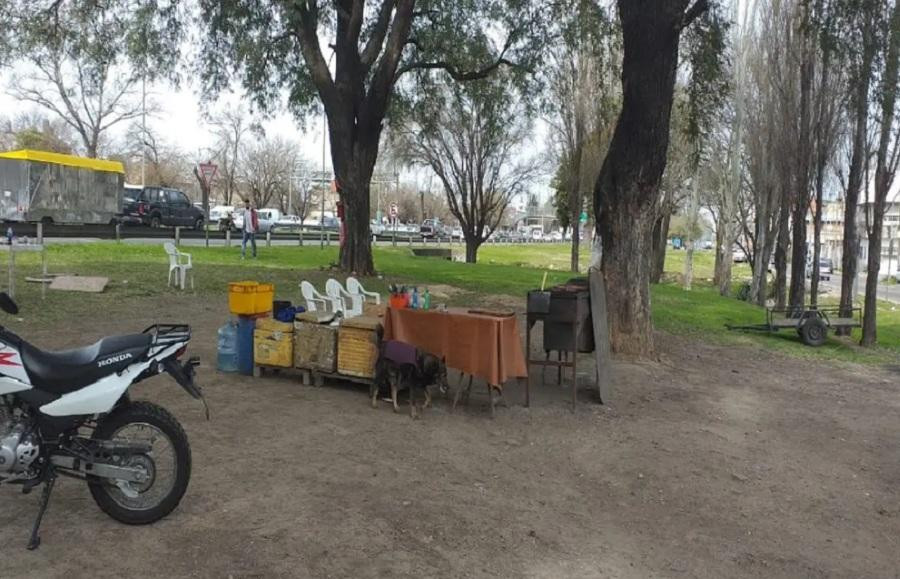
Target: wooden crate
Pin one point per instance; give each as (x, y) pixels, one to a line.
(358, 340)
(315, 346)
(273, 348)
(273, 325)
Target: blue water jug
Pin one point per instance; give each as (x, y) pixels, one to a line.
(245, 327)
(227, 359)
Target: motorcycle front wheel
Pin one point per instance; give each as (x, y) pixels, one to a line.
(167, 465)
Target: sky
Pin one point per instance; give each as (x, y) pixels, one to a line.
(180, 121)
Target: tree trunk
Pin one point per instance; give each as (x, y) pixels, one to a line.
(850, 249)
(817, 237)
(884, 176)
(800, 208)
(627, 190)
(689, 246)
(782, 248)
(660, 245)
(575, 201)
(626, 267)
(724, 257)
(869, 331)
(471, 250)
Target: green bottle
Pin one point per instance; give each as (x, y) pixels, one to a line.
(426, 301)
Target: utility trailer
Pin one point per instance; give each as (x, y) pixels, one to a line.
(37, 186)
(810, 322)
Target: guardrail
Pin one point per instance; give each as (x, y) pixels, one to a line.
(308, 234)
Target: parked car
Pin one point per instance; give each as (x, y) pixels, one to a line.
(158, 206)
(130, 214)
(456, 233)
(739, 255)
(288, 221)
(555, 235)
(433, 228)
(826, 268)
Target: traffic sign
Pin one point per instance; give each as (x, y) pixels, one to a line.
(208, 172)
(394, 211)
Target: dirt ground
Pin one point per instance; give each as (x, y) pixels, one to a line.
(715, 462)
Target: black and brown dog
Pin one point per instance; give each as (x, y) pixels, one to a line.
(403, 367)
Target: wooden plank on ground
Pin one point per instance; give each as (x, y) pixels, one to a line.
(77, 283)
(601, 335)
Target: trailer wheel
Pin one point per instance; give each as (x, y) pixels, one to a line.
(813, 332)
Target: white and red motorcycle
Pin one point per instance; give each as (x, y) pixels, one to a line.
(69, 413)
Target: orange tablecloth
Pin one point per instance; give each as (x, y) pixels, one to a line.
(484, 346)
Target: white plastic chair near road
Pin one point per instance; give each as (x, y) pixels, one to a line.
(355, 288)
(349, 304)
(180, 264)
(315, 302)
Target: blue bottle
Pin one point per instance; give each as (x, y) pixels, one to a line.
(227, 350)
(415, 299)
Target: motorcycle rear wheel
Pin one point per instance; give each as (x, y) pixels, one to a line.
(168, 477)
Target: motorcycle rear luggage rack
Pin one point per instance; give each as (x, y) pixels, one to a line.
(169, 333)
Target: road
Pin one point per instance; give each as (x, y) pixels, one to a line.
(886, 292)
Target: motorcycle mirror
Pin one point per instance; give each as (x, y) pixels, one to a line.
(7, 304)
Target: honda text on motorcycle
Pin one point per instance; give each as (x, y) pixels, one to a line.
(69, 413)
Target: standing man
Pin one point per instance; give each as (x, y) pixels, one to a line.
(251, 226)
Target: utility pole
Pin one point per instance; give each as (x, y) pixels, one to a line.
(144, 128)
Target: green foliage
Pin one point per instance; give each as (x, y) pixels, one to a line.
(258, 43)
(145, 37)
(706, 43)
(561, 197)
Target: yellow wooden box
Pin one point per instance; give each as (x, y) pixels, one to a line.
(273, 348)
(358, 341)
(315, 346)
(273, 325)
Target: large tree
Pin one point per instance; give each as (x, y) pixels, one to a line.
(887, 159)
(282, 47)
(627, 190)
(582, 101)
(82, 61)
(472, 137)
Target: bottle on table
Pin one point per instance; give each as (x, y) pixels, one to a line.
(426, 300)
(415, 299)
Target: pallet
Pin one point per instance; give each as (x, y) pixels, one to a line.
(309, 377)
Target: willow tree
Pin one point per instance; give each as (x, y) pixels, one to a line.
(628, 188)
(284, 48)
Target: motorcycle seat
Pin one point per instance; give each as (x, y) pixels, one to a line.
(66, 371)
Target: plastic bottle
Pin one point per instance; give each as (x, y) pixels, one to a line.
(415, 299)
(9, 235)
(426, 300)
(227, 351)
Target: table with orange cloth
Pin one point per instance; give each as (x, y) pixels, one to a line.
(476, 344)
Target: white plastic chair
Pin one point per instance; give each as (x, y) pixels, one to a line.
(313, 298)
(355, 288)
(180, 264)
(340, 298)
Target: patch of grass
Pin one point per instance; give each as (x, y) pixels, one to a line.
(138, 271)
